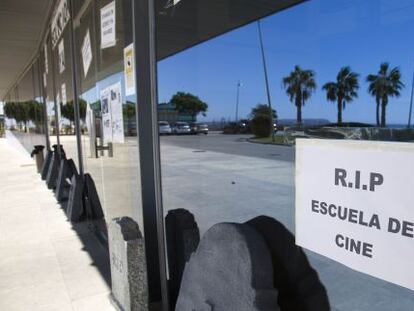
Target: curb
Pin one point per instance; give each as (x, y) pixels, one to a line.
(251, 140)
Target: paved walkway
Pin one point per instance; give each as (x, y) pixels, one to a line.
(45, 263)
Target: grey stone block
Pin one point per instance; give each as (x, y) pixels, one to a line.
(128, 265)
(230, 271)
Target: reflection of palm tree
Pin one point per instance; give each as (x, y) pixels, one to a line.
(387, 83)
(344, 90)
(299, 86)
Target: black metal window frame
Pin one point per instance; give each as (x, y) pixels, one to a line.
(144, 35)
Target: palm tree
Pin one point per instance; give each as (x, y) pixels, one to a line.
(387, 83)
(344, 90)
(299, 86)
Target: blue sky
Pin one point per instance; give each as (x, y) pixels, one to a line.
(322, 35)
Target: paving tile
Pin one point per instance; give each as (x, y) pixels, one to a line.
(97, 302)
(46, 262)
(79, 269)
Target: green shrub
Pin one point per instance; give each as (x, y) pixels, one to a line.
(261, 126)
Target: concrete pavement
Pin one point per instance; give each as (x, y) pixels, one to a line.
(45, 263)
(224, 187)
(231, 144)
(44, 266)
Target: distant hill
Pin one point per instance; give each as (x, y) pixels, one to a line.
(307, 122)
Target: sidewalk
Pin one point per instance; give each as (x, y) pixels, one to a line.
(45, 263)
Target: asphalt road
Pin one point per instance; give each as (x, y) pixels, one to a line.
(231, 144)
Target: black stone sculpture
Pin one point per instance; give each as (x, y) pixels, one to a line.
(183, 237)
(74, 208)
(66, 171)
(46, 164)
(93, 208)
(53, 169)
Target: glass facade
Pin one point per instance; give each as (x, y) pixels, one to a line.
(234, 94)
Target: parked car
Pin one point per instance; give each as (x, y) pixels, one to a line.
(199, 128)
(181, 128)
(241, 127)
(164, 128)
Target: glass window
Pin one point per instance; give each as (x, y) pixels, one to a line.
(63, 88)
(332, 73)
(47, 76)
(109, 129)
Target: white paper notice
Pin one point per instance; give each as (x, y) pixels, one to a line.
(64, 100)
(60, 19)
(86, 53)
(112, 118)
(354, 204)
(50, 109)
(106, 115)
(59, 111)
(44, 79)
(46, 61)
(61, 51)
(108, 29)
(129, 70)
(89, 120)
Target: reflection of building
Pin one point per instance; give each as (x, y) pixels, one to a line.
(167, 112)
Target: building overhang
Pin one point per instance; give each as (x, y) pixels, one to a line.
(181, 24)
(22, 23)
(190, 22)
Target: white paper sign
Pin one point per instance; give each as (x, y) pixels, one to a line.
(61, 51)
(50, 108)
(108, 29)
(171, 3)
(86, 53)
(44, 79)
(89, 120)
(64, 100)
(59, 21)
(112, 118)
(129, 70)
(59, 111)
(354, 204)
(46, 61)
(58, 102)
(106, 115)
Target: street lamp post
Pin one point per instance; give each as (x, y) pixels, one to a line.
(269, 102)
(411, 103)
(237, 101)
